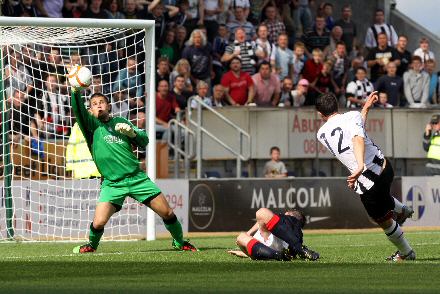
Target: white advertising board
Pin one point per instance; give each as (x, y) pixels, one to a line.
(423, 195)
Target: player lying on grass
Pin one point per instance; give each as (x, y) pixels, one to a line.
(110, 140)
(275, 236)
(371, 177)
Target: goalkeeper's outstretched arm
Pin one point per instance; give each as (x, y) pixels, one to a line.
(87, 122)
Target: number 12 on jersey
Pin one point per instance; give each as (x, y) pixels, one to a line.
(341, 137)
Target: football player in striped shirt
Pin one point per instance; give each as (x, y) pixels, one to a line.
(371, 176)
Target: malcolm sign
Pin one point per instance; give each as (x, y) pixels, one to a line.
(230, 205)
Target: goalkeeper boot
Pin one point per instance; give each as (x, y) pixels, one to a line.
(406, 213)
(186, 246)
(401, 257)
(86, 248)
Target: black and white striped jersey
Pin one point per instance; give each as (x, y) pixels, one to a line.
(360, 90)
(337, 134)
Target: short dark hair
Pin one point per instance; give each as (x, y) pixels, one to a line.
(416, 58)
(424, 40)
(327, 104)
(264, 62)
(263, 24)
(234, 58)
(162, 59)
(403, 36)
(94, 95)
(274, 148)
(379, 10)
(180, 76)
(340, 43)
(361, 68)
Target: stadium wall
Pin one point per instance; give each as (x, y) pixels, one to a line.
(397, 131)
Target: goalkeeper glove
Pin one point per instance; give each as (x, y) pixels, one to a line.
(125, 129)
(308, 254)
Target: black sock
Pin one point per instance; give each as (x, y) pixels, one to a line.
(257, 250)
(285, 228)
(170, 221)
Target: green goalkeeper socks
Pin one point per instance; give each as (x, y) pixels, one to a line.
(175, 229)
(94, 236)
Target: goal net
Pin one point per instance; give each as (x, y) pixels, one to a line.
(49, 183)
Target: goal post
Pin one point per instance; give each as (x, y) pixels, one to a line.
(7, 165)
(43, 201)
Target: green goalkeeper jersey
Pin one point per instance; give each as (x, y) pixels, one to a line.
(111, 150)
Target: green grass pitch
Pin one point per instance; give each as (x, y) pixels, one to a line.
(350, 263)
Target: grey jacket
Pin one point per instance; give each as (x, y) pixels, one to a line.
(416, 87)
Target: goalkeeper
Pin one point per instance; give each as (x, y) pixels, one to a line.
(110, 140)
(276, 237)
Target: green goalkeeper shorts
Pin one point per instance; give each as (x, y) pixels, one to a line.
(138, 187)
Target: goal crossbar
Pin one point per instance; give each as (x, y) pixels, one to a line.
(78, 22)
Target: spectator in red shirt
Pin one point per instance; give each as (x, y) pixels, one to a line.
(267, 86)
(166, 106)
(238, 85)
(323, 83)
(312, 69)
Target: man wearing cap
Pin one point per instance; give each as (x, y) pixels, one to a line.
(431, 144)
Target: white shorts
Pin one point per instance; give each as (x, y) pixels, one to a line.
(273, 242)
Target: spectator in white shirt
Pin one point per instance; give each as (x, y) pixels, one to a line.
(380, 26)
(423, 51)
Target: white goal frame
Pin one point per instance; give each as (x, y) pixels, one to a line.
(148, 26)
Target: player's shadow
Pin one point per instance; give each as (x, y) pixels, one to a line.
(158, 250)
(174, 250)
(211, 248)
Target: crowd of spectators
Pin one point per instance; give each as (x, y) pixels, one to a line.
(277, 53)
